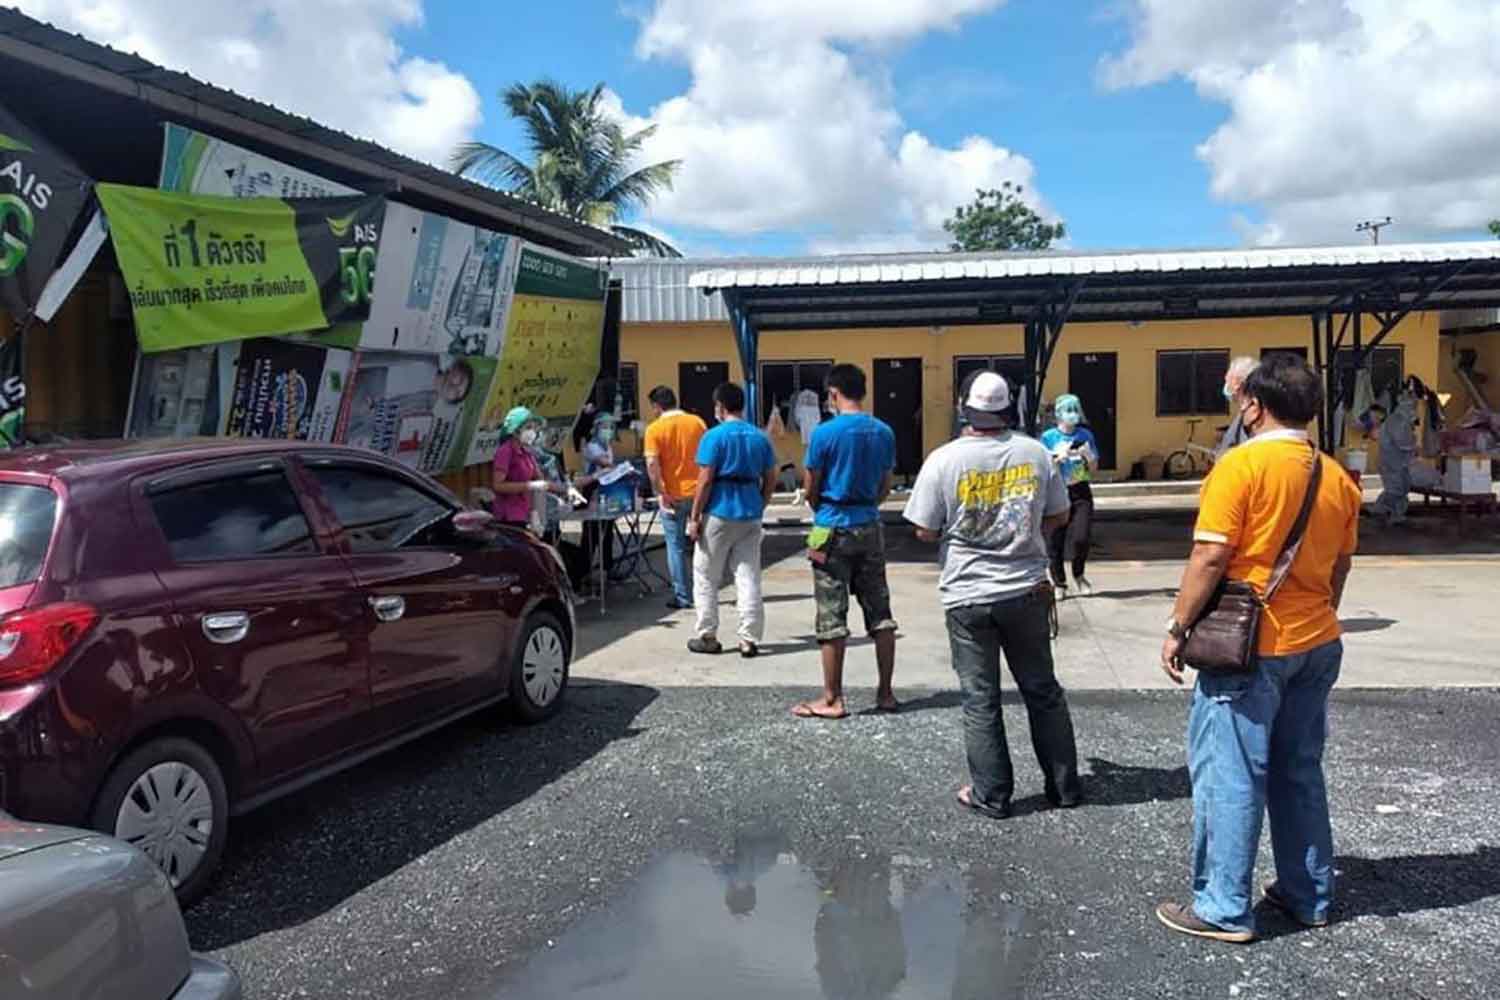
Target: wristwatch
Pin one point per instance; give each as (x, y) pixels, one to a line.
(1175, 629)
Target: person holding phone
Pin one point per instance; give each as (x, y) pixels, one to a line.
(1075, 453)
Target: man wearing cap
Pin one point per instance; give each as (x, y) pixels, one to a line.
(991, 498)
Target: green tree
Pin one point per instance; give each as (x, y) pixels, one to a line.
(999, 220)
(1495, 228)
(581, 160)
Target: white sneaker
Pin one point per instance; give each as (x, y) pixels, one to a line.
(1085, 589)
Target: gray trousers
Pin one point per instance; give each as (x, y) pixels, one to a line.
(729, 545)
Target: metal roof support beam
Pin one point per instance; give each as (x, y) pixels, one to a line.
(747, 341)
(1389, 321)
(1323, 360)
(1042, 335)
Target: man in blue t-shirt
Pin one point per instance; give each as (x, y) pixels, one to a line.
(849, 472)
(1075, 453)
(736, 473)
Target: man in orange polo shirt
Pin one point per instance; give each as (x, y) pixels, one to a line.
(1255, 740)
(671, 449)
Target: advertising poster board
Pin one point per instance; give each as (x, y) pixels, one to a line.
(444, 287)
(551, 348)
(420, 409)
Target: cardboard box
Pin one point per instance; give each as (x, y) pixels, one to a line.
(1468, 474)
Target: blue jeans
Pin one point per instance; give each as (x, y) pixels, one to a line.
(674, 521)
(1255, 744)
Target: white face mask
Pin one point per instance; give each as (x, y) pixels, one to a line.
(1068, 424)
(530, 436)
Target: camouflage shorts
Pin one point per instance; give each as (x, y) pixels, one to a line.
(856, 563)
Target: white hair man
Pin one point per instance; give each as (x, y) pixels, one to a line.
(1234, 386)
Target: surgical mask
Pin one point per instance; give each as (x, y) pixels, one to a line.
(530, 436)
(1228, 392)
(1068, 422)
(604, 435)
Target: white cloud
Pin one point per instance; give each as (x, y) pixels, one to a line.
(783, 129)
(337, 63)
(1339, 110)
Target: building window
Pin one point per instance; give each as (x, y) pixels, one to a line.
(622, 397)
(1191, 383)
(1012, 366)
(1266, 352)
(1387, 369)
(782, 381)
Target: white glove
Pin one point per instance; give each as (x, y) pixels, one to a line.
(537, 486)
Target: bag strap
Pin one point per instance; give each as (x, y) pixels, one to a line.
(1293, 543)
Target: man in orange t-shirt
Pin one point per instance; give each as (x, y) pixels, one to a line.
(671, 449)
(1255, 740)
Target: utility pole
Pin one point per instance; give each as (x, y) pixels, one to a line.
(1373, 227)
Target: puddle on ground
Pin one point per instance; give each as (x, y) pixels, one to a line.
(764, 924)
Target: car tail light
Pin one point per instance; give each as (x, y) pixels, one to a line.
(33, 642)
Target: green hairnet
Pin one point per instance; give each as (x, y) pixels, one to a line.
(606, 418)
(1069, 404)
(516, 419)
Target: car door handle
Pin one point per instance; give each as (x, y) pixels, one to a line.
(227, 627)
(388, 609)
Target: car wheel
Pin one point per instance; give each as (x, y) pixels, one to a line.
(168, 798)
(539, 676)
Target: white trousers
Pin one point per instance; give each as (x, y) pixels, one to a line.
(729, 545)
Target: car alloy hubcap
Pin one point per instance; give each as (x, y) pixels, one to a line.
(169, 814)
(543, 666)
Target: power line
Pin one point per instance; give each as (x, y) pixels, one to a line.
(1373, 227)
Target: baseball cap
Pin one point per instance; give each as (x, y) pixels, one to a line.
(987, 400)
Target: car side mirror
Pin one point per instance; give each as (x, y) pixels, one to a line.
(474, 523)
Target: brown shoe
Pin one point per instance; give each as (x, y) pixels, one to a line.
(1276, 899)
(1183, 920)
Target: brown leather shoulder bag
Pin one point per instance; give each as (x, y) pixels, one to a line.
(1225, 638)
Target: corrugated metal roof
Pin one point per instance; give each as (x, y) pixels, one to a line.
(43, 46)
(656, 290)
(889, 268)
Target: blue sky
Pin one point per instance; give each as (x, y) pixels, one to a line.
(818, 126)
(1118, 166)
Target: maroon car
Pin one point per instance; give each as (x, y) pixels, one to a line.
(189, 630)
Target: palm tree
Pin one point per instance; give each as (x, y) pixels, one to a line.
(581, 161)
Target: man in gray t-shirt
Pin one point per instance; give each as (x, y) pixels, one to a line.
(991, 498)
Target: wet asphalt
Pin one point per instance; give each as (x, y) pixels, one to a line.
(607, 854)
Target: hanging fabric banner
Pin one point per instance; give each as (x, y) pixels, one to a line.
(42, 195)
(202, 270)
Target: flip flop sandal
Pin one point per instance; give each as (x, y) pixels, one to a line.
(964, 799)
(804, 711)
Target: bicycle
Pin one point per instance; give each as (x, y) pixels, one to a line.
(1192, 459)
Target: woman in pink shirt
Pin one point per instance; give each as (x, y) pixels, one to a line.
(517, 476)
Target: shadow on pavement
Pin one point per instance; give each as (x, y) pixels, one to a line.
(1356, 625)
(1393, 887)
(304, 855)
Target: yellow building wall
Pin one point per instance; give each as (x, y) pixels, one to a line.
(1486, 346)
(658, 348)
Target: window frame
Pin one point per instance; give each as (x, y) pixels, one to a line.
(796, 365)
(1216, 406)
(1382, 350)
(207, 473)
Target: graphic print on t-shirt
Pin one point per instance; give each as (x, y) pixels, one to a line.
(995, 507)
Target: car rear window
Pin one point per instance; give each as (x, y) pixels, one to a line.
(242, 517)
(26, 517)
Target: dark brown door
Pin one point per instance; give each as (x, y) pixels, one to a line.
(898, 401)
(270, 616)
(438, 605)
(696, 382)
(1093, 379)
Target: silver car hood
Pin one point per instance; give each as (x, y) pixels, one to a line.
(18, 837)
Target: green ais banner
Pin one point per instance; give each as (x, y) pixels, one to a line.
(42, 195)
(202, 269)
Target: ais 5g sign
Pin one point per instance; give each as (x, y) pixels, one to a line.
(42, 194)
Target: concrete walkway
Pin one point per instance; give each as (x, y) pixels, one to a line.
(1419, 612)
